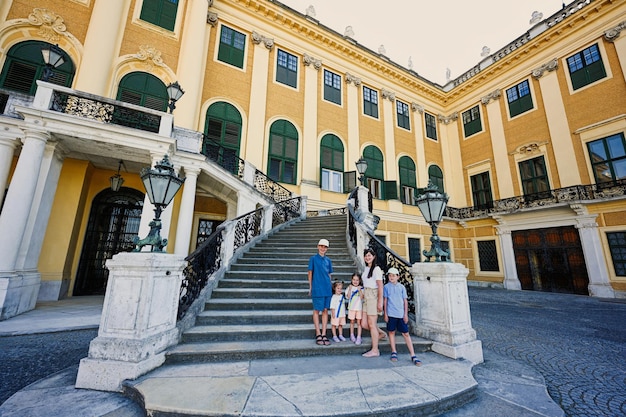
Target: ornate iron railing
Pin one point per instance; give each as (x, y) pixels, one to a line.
(271, 188)
(105, 112)
(566, 195)
(286, 210)
(328, 212)
(247, 227)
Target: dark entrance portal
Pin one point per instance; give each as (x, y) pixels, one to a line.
(113, 224)
(551, 260)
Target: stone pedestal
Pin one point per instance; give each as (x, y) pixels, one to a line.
(138, 320)
(442, 310)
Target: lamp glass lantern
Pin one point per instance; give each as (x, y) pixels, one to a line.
(432, 204)
(161, 184)
(53, 58)
(117, 180)
(361, 167)
(174, 92)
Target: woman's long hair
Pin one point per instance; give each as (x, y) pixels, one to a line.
(373, 265)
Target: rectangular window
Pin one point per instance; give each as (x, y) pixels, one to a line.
(332, 180)
(586, 67)
(431, 126)
(471, 121)
(608, 158)
(402, 111)
(617, 246)
(332, 87)
(414, 251)
(488, 256)
(481, 191)
(408, 194)
(160, 12)
(287, 69)
(232, 46)
(534, 176)
(445, 245)
(519, 98)
(370, 102)
(375, 187)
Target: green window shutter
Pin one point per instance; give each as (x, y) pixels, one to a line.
(143, 89)
(283, 152)
(349, 181)
(168, 14)
(390, 190)
(435, 175)
(160, 12)
(150, 11)
(232, 46)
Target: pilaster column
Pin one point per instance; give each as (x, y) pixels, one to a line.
(310, 149)
(391, 166)
(7, 150)
(16, 210)
(498, 145)
(185, 213)
(557, 124)
(418, 129)
(511, 280)
(615, 35)
(354, 141)
(255, 152)
(102, 45)
(452, 165)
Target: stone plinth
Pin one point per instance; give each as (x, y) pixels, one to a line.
(442, 310)
(138, 319)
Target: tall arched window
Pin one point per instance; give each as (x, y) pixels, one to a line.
(143, 89)
(24, 65)
(331, 163)
(222, 135)
(435, 175)
(283, 152)
(374, 174)
(408, 182)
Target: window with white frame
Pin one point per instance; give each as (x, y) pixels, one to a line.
(286, 68)
(332, 87)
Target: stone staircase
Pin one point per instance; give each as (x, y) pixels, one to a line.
(261, 308)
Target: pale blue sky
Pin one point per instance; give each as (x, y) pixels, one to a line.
(436, 34)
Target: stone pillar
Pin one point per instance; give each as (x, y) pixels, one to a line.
(310, 148)
(498, 145)
(185, 213)
(452, 164)
(418, 129)
(138, 320)
(614, 35)
(511, 280)
(442, 310)
(352, 92)
(7, 150)
(391, 166)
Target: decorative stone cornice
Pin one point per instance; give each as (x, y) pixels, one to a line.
(211, 18)
(550, 66)
(51, 25)
(448, 119)
(389, 95)
(309, 60)
(494, 95)
(612, 34)
(258, 38)
(417, 107)
(150, 56)
(351, 79)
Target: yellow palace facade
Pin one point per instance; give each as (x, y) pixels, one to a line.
(529, 143)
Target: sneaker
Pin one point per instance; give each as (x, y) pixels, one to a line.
(352, 338)
(343, 339)
(336, 339)
(358, 341)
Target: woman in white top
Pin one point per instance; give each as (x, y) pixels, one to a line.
(372, 278)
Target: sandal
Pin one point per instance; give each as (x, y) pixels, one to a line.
(319, 340)
(394, 357)
(325, 340)
(416, 361)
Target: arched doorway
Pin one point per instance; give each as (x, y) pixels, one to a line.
(113, 224)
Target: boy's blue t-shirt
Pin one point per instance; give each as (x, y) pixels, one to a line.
(322, 267)
(395, 295)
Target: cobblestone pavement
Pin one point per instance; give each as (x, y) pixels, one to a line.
(577, 343)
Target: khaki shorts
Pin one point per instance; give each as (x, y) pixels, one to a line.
(354, 314)
(370, 302)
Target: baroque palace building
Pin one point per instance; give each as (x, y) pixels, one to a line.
(529, 143)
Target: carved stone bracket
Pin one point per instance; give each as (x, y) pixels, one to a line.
(448, 119)
(258, 38)
(309, 60)
(529, 149)
(494, 95)
(612, 34)
(51, 25)
(390, 95)
(417, 107)
(550, 66)
(150, 56)
(211, 18)
(351, 79)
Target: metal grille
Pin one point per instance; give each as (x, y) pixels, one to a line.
(488, 255)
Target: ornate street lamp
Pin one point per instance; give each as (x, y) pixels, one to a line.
(52, 57)
(361, 167)
(174, 92)
(162, 184)
(117, 180)
(432, 204)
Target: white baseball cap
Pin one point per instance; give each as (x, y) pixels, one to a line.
(323, 242)
(393, 271)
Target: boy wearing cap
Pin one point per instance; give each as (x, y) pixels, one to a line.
(396, 308)
(320, 270)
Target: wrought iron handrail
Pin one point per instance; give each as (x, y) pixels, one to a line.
(286, 210)
(563, 195)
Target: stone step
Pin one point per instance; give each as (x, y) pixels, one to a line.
(269, 275)
(258, 304)
(294, 259)
(286, 267)
(260, 283)
(249, 332)
(265, 250)
(267, 293)
(239, 317)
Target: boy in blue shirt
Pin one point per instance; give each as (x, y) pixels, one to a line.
(320, 270)
(396, 307)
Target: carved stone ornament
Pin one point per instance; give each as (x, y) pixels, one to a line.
(612, 34)
(529, 149)
(210, 2)
(390, 95)
(494, 95)
(349, 32)
(51, 24)
(448, 119)
(211, 18)
(309, 60)
(351, 79)
(550, 66)
(417, 107)
(150, 55)
(258, 38)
